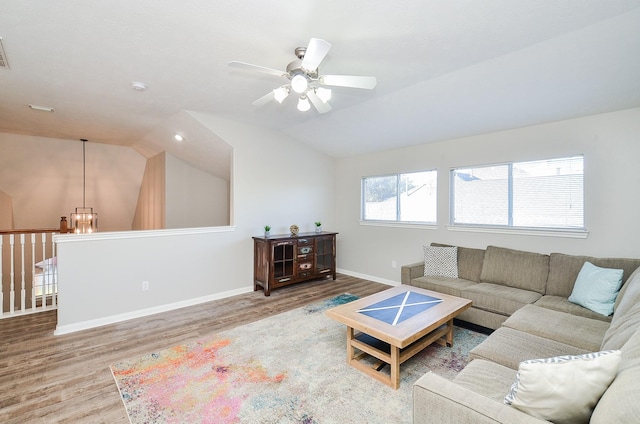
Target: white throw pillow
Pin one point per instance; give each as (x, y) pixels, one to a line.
(441, 261)
(564, 389)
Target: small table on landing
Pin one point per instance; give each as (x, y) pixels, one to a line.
(394, 325)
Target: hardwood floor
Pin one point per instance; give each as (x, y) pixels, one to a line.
(66, 379)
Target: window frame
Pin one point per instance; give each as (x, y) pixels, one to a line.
(397, 222)
(573, 232)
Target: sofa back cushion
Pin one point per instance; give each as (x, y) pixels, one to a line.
(469, 262)
(619, 404)
(628, 295)
(564, 269)
(515, 268)
(626, 315)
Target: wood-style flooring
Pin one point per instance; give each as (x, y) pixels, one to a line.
(66, 379)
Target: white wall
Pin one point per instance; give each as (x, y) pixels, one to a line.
(194, 198)
(611, 148)
(275, 181)
(44, 178)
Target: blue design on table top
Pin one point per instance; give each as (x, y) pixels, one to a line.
(400, 307)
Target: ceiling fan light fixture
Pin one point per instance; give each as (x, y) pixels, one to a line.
(303, 104)
(299, 83)
(323, 94)
(279, 94)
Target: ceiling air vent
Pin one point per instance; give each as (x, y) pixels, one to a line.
(4, 63)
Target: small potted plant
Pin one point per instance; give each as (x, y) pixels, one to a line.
(318, 226)
(267, 230)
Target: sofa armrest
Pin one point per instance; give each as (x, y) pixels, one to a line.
(438, 400)
(411, 271)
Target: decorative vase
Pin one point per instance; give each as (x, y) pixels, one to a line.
(318, 229)
(267, 233)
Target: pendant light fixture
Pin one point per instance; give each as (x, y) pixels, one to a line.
(84, 220)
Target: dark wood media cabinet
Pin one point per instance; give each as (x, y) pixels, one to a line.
(287, 259)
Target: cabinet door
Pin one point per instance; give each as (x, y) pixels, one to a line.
(324, 254)
(283, 254)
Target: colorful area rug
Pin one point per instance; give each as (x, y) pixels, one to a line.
(289, 368)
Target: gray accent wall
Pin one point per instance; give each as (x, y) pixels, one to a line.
(611, 147)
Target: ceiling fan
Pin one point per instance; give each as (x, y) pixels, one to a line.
(304, 79)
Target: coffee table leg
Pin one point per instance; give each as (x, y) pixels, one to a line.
(395, 367)
(450, 333)
(350, 348)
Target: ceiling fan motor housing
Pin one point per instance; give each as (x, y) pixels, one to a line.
(294, 68)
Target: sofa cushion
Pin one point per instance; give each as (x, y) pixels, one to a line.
(622, 329)
(452, 286)
(564, 269)
(509, 347)
(628, 296)
(563, 389)
(486, 378)
(469, 262)
(440, 261)
(498, 298)
(596, 288)
(438, 400)
(558, 303)
(619, 404)
(515, 268)
(581, 332)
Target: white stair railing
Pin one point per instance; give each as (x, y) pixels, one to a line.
(28, 272)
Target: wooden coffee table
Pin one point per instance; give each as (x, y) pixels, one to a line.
(394, 325)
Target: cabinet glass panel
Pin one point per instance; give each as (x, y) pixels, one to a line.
(283, 260)
(324, 253)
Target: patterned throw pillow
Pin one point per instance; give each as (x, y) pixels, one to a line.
(441, 261)
(564, 389)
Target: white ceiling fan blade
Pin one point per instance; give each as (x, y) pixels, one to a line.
(320, 106)
(316, 51)
(352, 81)
(264, 99)
(256, 68)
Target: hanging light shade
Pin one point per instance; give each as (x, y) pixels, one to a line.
(303, 104)
(84, 220)
(280, 94)
(299, 83)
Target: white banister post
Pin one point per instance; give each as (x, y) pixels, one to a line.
(43, 290)
(33, 271)
(23, 292)
(54, 277)
(12, 275)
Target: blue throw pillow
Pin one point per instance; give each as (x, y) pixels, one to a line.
(597, 288)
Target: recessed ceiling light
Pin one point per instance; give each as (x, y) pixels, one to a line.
(178, 137)
(42, 108)
(138, 86)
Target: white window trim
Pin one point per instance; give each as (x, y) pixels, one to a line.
(394, 223)
(399, 224)
(543, 232)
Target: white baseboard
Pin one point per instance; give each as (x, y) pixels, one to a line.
(112, 319)
(369, 277)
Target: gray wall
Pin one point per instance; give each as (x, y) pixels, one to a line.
(611, 147)
(275, 181)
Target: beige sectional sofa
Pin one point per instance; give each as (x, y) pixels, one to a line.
(524, 297)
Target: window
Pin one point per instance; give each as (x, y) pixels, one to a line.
(540, 194)
(400, 197)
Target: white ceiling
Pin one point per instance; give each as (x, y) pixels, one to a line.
(445, 69)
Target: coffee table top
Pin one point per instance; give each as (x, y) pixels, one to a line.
(401, 314)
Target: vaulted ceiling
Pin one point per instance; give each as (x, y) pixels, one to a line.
(445, 69)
